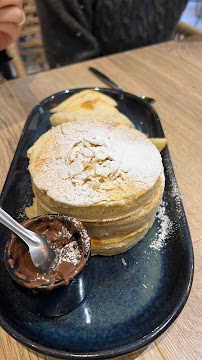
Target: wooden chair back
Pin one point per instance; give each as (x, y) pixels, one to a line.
(28, 52)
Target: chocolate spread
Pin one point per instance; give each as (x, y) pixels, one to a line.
(67, 236)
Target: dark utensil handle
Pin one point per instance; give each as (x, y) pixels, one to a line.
(113, 84)
(105, 78)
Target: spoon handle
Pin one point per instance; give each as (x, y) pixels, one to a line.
(14, 226)
(114, 85)
(105, 78)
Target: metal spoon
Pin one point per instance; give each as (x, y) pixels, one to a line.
(114, 85)
(41, 253)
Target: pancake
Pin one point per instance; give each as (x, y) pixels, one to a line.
(120, 244)
(108, 176)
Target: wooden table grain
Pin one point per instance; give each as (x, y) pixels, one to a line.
(172, 74)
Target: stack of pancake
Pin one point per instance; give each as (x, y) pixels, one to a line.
(106, 174)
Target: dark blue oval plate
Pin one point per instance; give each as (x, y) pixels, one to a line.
(136, 295)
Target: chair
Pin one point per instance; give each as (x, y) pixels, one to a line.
(28, 53)
(185, 30)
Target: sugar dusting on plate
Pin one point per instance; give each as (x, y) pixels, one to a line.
(164, 228)
(165, 224)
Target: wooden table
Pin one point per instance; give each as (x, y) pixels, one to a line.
(172, 74)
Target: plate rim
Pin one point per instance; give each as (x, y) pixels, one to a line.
(155, 333)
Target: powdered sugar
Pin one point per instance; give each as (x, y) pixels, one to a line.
(85, 160)
(164, 229)
(20, 214)
(65, 233)
(175, 194)
(124, 262)
(70, 253)
(83, 233)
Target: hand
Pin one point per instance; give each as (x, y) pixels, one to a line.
(11, 15)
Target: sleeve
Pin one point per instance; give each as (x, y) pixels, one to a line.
(5, 69)
(67, 30)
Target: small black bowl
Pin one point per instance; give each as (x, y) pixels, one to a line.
(59, 298)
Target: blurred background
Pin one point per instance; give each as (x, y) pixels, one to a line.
(28, 55)
(193, 13)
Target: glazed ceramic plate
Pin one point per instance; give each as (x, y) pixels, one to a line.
(136, 295)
